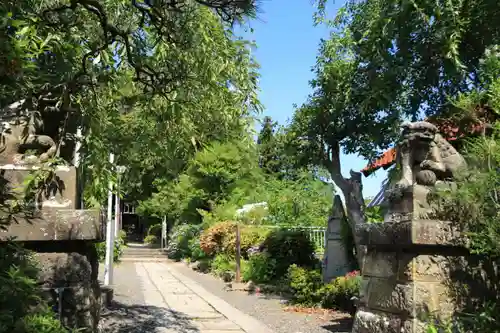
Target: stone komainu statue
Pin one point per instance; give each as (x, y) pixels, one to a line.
(426, 159)
(18, 136)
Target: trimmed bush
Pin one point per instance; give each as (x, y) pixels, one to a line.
(339, 293)
(212, 240)
(260, 268)
(155, 230)
(120, 244)
(306, 285)
(289, 247)
(223, 266)
(178, 245)
(151, 239)
(195, 250)
(249, 237)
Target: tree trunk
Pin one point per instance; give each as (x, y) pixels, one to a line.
(352, 189)
(355, 206)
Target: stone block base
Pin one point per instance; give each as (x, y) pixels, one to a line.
(401, 290)
(107, 294)
(71, 288)
(370, 321)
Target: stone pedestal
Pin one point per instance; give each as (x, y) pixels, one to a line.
(406, 275)
(412, 263)
(63, 238)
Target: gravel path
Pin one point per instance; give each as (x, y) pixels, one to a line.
(269, 309)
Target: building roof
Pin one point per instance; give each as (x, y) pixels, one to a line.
(448, 129)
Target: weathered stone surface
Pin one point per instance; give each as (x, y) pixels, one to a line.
(368, 321)
(408, 270)
(58, 269)
(412, 233)
(414, 326)
(56, 216)
(58, 225)
(424, 158)
(335, 260)
(380, 264)
(19, 135)
(61, 193)
(364, 290)
(390, 296)
(423, 267)
(72, 288)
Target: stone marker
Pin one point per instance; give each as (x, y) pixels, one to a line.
(335, 260)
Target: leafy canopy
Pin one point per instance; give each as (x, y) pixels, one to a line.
(104, 65)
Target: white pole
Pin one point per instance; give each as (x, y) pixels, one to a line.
(110, 242)
(164, 233)
(77, 159)
(78, 146)
(117, 208)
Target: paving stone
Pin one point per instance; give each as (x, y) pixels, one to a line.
(221, 324)
(171, 304)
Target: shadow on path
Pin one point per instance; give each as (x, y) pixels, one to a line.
(123, 318)
(339, 325)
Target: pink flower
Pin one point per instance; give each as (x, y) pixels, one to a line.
(352, 274)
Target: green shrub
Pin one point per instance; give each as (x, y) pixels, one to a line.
(22, 309)
(178, 245)
(289, 247)
(213, 240)
(223, 265)
(260, 268)
(195, 250)
(41, 323)
(339, 293)
(155, 230)
(120, 242)
(306, 285)
(221, 238)
(151, 239)
(249, 237)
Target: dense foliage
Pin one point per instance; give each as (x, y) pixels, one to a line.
(223, 177)
(386, 62)
(119, 246)
(22, 308)
(135, 77)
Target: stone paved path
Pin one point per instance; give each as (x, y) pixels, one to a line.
(154, 297)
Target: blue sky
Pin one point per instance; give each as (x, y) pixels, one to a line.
(287, 44)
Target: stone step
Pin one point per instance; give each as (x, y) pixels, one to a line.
(143, 256)
(146, 253)
(150, 251)
(141, 252)
(143, 259)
